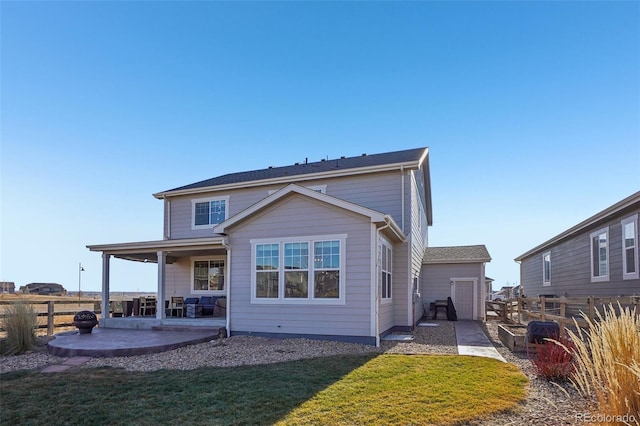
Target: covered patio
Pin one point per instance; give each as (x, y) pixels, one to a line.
(178, 256)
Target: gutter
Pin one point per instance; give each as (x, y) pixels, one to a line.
(228, 290)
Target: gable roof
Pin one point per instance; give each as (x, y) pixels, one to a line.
(411, 158)
(374, 216)
(602, 216)
(456, 254)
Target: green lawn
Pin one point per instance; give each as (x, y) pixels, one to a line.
(385, 389)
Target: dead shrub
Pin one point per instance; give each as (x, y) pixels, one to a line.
(19, 322)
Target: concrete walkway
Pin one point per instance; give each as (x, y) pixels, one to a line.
(472, 341)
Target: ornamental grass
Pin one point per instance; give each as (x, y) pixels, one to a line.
(19, 323)
(607, 363)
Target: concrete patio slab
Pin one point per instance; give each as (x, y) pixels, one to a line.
(472, 341)
(111, 342)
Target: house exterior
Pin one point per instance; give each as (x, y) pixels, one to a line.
(46, 289)
(597, 257)
(457, 272)
(7, 287)
(331, 249)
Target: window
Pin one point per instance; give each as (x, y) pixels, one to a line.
(209, 212)
(298, 270)
(630, 248)
(546, 269)
(600, 255)
(385, 269)
(207, 275)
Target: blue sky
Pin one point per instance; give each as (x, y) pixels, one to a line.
(531, 112)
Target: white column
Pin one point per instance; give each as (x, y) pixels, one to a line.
(162, 266)
(105, 285)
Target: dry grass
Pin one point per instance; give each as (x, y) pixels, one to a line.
(19, 323)
(608, 363)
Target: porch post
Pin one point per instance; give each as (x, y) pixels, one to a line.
(162, 263)
(105, 286)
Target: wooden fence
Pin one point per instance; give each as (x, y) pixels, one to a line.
(54, 316)
(562, 310)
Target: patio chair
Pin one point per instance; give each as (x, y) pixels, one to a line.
(176, 306)
(147, 306)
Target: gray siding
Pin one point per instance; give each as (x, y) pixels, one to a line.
(571, 266)
(311, 218)
(380, 192)
(418, 237)
(436, 282)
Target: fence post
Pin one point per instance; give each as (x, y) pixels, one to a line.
(542, 308)
(50, 322)
(592, 308)
(520, 303)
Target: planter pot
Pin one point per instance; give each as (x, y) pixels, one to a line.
(85, 321)
(513, 337)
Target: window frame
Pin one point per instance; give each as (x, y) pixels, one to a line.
(385, 287)
(636, 274)
(209, 200)
(546, 272)
(192, 266)
(311, 299)
(601, 277)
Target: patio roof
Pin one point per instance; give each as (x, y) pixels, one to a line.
(147, 251)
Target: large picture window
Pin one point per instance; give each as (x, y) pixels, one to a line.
(208, 275)
(630, 248)
(299, 270)
(209, 212)
(600, 255)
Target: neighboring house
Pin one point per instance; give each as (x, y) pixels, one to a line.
(330, 249)
(7, 287)
(44, 289)
(597, 257)
(488, 290)
(457, 272)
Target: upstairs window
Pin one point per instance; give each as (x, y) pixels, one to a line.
(546, 269)
(630, 248)
(208, 212)
(600, 255)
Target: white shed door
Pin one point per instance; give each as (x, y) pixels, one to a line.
(462, 296)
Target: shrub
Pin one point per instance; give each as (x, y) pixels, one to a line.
(608, 362)
(19, 323)
(554, 359)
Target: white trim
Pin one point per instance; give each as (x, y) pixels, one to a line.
(474, 294)
(599, 278)
(318, 188)
(545, 282)
(382, 242)
(192, 290)
(374, 287)
(630, 275)
(195, 201)
(373, 215)
(310, 299)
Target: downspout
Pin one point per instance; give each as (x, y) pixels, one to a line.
(228, 286)
(375, 280)
(402, 192)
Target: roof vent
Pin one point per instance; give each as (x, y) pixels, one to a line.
(271, 167)
(297, 164)
(343, 157)
(364, 154)
(323, 160)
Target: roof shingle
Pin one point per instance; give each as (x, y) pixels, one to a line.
(457, 254)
